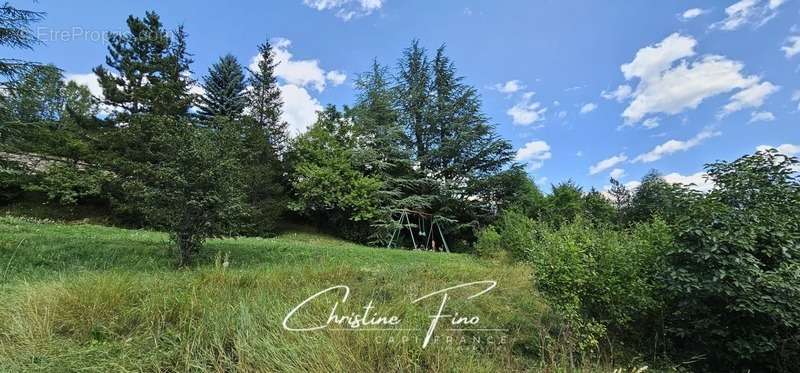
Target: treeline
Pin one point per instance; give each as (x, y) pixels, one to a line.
(223, 163)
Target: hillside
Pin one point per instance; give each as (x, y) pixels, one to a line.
(94, 298)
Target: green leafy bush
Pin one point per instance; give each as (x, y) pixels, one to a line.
(601, 280)
(68, 184)
(734, 276)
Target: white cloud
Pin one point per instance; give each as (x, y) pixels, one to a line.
(617, 173)
(300, 73)
(607, 163)
(796, 97)
(526, 111)
(588, 108)
(749, 97)
(561, 114)
(651, 61)
(697, 181)
(579, 153)
(620, 94)
(752, 12)
(534, 153)
(669, 83)
(761, 116)
(786, 149)
(89, 80)
(691, 13)
(792, 46)
(346, 9)
(674, 146)
(295, 77)
(651, 123)
(509, 87)
(299, 108)
(336, 77)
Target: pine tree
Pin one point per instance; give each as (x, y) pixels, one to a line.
(265, 102)
(150, 70)
(224, 90)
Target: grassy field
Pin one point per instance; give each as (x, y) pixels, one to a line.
(93, 298)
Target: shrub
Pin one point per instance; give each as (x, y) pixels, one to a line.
(733, 278)
(510, 237)
(67, 184)
(601, 280)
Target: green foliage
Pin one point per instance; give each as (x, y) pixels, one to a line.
(564, 203)
(733, 277)
(109, 298)
(328, 179)
(69, 183)
(16, 32)
(40, 95)
(597, 275)
(264, 100)
(598, 209)
(178, 177)
(655, 197)
(149, 70)
(510, 237)
(223, 90)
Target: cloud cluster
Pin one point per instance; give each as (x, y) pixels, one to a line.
(761, 116)
(692, 13)
(295, 76)
(346, 9)
(786, 149)
(748, 12)
(697, 181)
(588, 108)
(300, 73)
(674, 146)
(670, 82)
(509, 87)
(534, 153)
(526, 111)
(792, 46)
(607, 164)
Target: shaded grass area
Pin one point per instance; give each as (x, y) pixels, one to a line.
(93, 298)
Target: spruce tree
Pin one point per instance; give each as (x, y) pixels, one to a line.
(224, 90)
(148, 70)
(265, 104)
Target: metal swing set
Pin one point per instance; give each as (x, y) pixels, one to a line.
(425, 228)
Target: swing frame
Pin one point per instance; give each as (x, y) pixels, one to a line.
(422, 217)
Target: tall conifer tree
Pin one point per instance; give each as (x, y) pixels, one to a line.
(265, 102)
(224, 90)
(148, 70)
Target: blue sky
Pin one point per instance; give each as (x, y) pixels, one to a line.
(582, 89)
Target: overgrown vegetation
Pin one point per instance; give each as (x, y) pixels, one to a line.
(660, 274)
(715, 283)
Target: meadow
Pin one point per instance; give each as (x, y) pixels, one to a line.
(94, 298)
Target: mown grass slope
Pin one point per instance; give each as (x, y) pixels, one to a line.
(93, 298)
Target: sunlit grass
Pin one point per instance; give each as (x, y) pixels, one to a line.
(106, 299)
